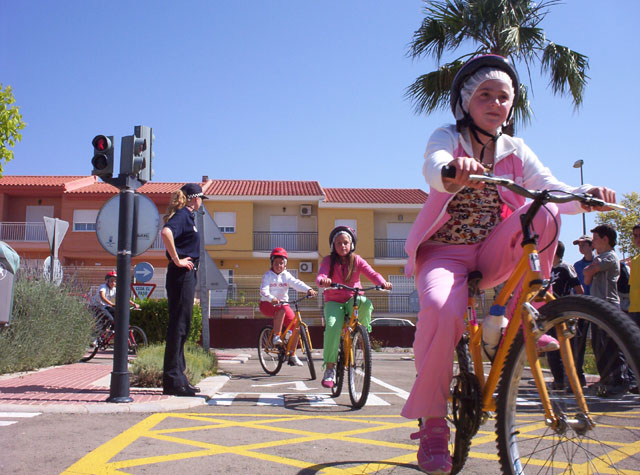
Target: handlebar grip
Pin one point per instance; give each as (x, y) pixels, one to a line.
(448, 171)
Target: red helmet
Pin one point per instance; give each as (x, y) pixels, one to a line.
(110, 274)
(279, 252)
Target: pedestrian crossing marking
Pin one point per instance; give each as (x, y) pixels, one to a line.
(15, 415)
(284, 399)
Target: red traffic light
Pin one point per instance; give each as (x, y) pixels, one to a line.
(101, 143)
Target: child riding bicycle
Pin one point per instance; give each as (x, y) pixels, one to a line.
(274, 297)
(342, 266)
(104, 300)
(466, 226)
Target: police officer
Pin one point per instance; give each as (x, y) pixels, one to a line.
(182, 241)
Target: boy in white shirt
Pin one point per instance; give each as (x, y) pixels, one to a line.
(274, 296)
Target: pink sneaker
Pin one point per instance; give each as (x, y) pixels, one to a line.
(433, 454)
(547, 343)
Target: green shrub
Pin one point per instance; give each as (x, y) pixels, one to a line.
(146, 368)
(153, 318)
(49, 326)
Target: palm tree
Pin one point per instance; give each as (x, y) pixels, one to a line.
(509, 28)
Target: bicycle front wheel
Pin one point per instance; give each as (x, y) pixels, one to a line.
(360, 367)
(271, 357)
(593, 442)
(306, 344)
(137, 339)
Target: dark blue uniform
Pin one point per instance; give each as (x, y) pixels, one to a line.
(181, 287)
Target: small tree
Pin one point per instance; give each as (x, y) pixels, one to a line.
(623, 222)
(10, 125)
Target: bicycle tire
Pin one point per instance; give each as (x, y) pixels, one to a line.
(137, 339)
(101, 325)
(336, 390)
(306, 345)
(359, 368)
(527, 444)
(271, 357)
(464, 406)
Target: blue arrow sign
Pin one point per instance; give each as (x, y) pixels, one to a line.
(143, 272)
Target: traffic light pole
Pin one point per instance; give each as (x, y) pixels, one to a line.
(119, 390)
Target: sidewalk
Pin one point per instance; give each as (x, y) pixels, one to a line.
(84, 388)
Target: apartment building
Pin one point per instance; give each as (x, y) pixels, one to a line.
(254, 215)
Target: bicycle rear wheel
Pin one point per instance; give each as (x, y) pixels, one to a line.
(337, 387)
(527, 444)
(137, 339)
(271, 357)
(360, 367)
(306, 344)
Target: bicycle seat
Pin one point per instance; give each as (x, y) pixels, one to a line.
(473, 280)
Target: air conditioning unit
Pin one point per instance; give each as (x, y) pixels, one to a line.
(305, 210)
(305, 266)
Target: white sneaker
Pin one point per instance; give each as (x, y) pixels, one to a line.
(294, 361)
(329, 376)
(276, 340)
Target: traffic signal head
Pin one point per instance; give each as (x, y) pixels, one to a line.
(136, 154)
(102, 160)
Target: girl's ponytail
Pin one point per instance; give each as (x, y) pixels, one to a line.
(178, 201)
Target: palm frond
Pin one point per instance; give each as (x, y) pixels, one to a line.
(430, 92)
(522, 113)
(439, 31)
(568, 70)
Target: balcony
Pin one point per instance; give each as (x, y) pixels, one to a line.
(291, 241)
(23, 232)
(390, 249)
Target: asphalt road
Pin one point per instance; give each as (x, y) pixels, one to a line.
(256, 424)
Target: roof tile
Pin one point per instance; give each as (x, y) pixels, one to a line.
(263, 188)
(375, 195)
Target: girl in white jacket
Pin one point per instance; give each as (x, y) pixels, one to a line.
(274, 296)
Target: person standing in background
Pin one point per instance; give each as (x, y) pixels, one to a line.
(585, 246)
(634, 279)
(182, 241)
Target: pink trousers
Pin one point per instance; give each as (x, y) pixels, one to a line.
(441, 280)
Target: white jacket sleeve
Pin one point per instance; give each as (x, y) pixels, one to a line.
(264, 287)
(439, 153)
(296, 283)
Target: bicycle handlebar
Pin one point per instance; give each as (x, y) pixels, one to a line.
(293, 302)
(358, 290)
(544, 196)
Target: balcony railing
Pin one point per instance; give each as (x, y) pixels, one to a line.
(291, 241)
(31, 232)
(157, 243)
(390, 248)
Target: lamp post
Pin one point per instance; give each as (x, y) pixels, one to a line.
(578, 164)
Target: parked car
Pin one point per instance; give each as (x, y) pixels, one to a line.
(390, 321)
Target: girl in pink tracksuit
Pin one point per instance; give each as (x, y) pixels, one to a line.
(466, 226)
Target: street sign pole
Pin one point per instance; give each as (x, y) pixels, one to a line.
(205, 301)
(53, 251)
(119, 390)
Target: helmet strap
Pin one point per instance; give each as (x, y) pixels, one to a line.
(492, 138)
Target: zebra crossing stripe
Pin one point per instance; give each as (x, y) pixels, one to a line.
(320, 400)
(271, 399)
(374, 400)
(222, 399)
(19, 414)
(7, 423)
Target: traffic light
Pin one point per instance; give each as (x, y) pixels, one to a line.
(144, 133)
(102, 160)
(136, 154)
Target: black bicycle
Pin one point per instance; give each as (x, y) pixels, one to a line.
(104, 334)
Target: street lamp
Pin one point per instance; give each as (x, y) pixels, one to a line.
(578, 164)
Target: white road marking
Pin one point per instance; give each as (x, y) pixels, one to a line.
(297, 385)
(222, 399)
(7, 423)
(19, 414)
(399, 392)
(271, 399)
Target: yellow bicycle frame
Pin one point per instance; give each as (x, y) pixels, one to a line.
(347, 329)
(528, 271)
(296, 326)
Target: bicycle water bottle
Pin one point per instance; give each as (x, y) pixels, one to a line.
(287, 336)
(492, 328)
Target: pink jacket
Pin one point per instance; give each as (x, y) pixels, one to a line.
(360, 266)
(513, 159)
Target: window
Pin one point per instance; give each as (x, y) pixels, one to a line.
(84, 220)
(225, 220)
(352, 223)
(228, 275)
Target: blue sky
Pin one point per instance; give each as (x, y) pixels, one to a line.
(290, 90)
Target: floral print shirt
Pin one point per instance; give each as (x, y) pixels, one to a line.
(474, 213)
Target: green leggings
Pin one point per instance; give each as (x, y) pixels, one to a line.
(334, 313)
